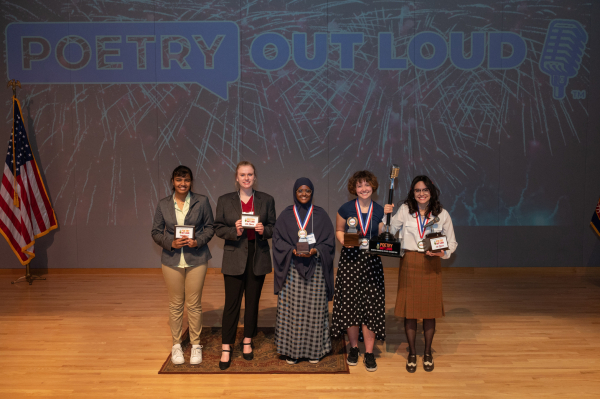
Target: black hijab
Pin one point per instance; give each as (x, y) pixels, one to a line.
(285, 238)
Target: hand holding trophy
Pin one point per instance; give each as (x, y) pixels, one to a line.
(386, 244)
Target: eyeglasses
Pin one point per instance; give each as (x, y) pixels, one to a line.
(309, 192)
(424, 191)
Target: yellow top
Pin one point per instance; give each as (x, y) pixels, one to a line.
(180, 214)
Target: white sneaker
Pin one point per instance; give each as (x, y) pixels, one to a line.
(177, 354)
(196, 356)
(314, 361)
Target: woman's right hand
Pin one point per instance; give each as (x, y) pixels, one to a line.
(388, 208)
(238, 227)
(178, 243)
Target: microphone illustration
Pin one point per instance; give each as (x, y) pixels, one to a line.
(431, 222)
(561, 56)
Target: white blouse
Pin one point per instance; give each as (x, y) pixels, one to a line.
(407, 224)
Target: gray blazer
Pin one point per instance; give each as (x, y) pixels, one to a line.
(163, 230)
(235, 250)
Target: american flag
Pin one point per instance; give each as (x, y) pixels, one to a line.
(28, 214)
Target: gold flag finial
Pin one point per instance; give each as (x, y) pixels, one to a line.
(14, 84)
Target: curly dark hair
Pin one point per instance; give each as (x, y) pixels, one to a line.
(182, 171)
(434, 206)
(362, 175)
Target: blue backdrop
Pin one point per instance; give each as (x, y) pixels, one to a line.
(494, 100)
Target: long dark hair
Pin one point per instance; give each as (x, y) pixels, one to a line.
(435, 207)
(182, 171)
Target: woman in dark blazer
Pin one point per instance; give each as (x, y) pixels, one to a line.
(184, 260)
(246, 257)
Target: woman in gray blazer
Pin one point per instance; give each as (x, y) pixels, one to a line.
(184, 260)
(246, 257)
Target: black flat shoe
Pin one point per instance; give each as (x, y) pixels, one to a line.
(225, 365)
(247, 356)
(428, 362)
(411, 363)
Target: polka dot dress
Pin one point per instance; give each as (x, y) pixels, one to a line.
(359, 294)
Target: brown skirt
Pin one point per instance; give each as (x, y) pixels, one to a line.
(420, 287)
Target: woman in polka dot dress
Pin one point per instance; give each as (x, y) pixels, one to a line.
(359, 299)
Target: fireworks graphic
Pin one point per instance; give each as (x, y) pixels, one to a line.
(490, 139)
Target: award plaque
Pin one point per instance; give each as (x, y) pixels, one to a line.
(351, 236)
(249, 221)
(184, 231)
(435, 242)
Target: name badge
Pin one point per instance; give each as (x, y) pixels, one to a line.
(311, 238)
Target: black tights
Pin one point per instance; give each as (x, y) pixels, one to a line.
(410, 327)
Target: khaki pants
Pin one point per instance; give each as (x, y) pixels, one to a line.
(185, 285)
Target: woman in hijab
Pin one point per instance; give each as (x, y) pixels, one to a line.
(303, 282)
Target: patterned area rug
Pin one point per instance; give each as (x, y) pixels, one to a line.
(266, 359)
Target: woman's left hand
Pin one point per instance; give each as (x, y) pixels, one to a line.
(192, 243)
(388, 208)
(440, 254)
(312, 252)
(260, 229)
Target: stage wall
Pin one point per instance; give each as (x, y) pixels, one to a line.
(494, 100)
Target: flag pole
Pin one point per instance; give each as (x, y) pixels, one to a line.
(28, 276)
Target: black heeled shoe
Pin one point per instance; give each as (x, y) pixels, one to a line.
(247, 356)
(225, 365)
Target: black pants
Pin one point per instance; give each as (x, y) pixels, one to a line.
(235, 288)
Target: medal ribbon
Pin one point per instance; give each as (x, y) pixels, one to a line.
(302, 225)
(364, 225)
(421, 224)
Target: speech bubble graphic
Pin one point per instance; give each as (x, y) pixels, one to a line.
(206, 53)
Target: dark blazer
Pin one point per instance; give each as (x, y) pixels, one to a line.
(235, 250)
(163, 230)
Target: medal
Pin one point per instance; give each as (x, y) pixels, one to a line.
(364, 243)
(421, 226)
(302, 225)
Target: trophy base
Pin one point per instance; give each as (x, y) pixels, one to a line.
(302, 248)
(351, 239)
(378, 246)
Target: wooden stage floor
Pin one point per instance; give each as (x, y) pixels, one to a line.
(508, 333)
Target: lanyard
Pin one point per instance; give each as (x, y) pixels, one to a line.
(364, 225)
(302, 225)
(242, 205)
(421, 224)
